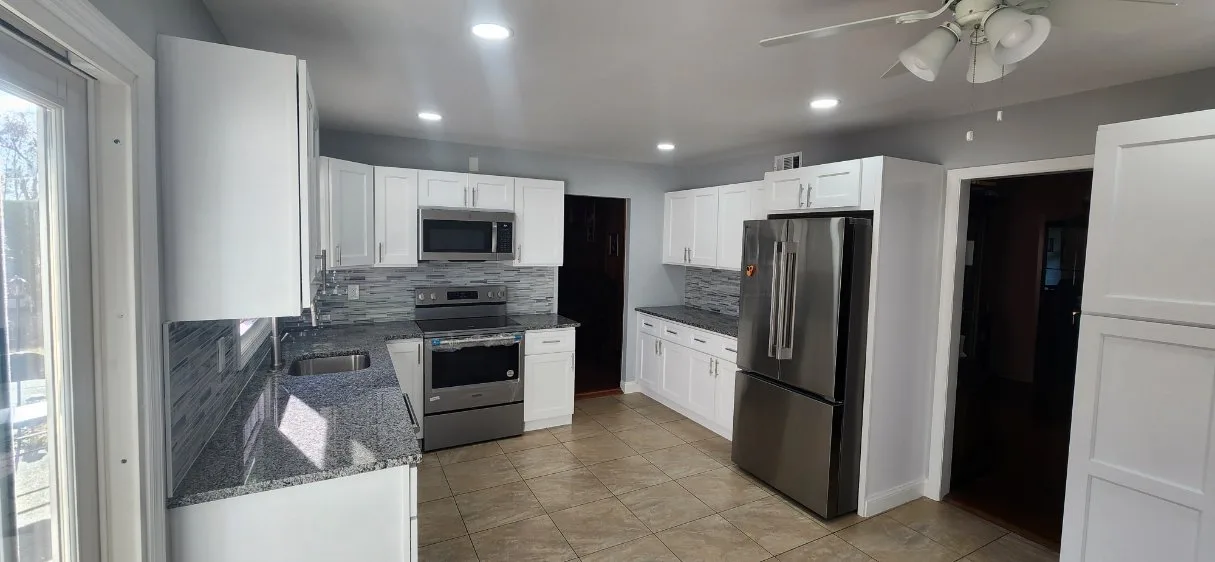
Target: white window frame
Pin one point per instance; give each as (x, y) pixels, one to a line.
(126, 259)
(251, 339)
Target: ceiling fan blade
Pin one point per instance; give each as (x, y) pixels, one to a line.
(896, 70)
(837, 29)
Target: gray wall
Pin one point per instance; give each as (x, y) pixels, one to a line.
(1053, 128)
(143, 20)
(649, 283)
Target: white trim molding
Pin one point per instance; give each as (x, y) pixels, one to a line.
(126, 274)
(890, 499)
(953, 269)
(629, 387)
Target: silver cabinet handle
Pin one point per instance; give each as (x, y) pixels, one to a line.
(647, 324)
(338, 251)
(710, 367)
(474, 197)
(731, 350)
(698, 340)
(655, 347)
(381, 252)
(716, 367)
(551, 341)
(465, 196)
(673, 332)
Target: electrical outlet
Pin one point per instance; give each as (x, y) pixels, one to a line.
(352, 292)
(326, 317)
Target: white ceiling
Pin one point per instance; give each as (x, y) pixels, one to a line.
(610, 78)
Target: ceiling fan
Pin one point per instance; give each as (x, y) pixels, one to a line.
(1002, 32)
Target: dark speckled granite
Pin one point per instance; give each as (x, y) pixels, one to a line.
(695, 317)
(287, 430)
(544, 321)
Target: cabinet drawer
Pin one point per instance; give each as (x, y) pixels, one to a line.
(675, 332)
(649, 325)
(549, 341)
(713, 344)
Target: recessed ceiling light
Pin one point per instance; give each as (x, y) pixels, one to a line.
(430, 116)
(824, 103)
(666, 146)
(491, 31)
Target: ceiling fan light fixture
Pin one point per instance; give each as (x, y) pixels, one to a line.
(1014, 35)
(925, 58)
(985, 69)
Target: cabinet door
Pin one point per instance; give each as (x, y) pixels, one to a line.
(548, 386)
(759, 200)
(834, 185)
(491, 192)
(310, 185)
(406, 356)
(702, 387)
(351, 213)
(443, 189)
(723, 413)
(1141, 464)
(678, 222)
(396, 217)
(786, 189)
(704, 228)
(676, 371)
(539, 222)
(733, 207)
(649, 362)
(1150, 229)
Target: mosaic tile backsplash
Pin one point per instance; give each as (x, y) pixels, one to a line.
(712, 289)
(205, 379)
(386, 294)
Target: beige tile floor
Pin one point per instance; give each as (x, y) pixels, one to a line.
(631, 480)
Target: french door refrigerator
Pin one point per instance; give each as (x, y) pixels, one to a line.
(801, 357)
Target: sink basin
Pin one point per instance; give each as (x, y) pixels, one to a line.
(324, 365)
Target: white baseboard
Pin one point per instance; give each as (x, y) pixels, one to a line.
(683, 411)
(629, 387)
(890, 499)
(545, 423)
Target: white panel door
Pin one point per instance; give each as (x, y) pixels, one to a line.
(443, 189)
(702, 388)
(491, 192)
(786, 190)
(548, 386)
(703, 247)
(676, 371)
(723, 412)
(351, 213)
(1150, 230)
(396, 217)
(835, 185)
(649, 362)
(539, 222)
(1141, 469)
(678, 222)
(733, 207)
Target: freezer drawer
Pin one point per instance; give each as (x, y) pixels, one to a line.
(792, 442)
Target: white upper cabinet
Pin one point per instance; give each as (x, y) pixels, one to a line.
(733, 208)
(396, 217)
(233, 187)
(491, 192)
(703, 250)
(834, 186)
(1150, 231)
(310, 189)
(539, 222)
(786, 190)
(351, 214)
(679, 216)
(443, 189)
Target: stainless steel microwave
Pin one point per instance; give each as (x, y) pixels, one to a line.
(464, 235)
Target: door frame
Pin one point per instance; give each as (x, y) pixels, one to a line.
(949, 319)
(126, 273)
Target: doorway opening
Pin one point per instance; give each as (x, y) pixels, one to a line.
(590, 289)
(1021, 292)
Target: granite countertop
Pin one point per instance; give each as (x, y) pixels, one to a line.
(288, 430)
(695, 317)
(543, 321)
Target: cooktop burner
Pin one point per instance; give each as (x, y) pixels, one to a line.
(476, 324)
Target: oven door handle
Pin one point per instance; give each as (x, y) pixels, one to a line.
(463, 342)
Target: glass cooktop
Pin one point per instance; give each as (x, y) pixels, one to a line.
(476, 324)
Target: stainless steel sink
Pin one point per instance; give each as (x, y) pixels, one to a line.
(324, 365)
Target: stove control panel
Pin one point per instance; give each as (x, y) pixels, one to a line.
(462, 295)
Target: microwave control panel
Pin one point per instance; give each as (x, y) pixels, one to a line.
(506, 238)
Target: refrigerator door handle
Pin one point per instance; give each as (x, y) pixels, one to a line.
(775, 305)
(789, 262)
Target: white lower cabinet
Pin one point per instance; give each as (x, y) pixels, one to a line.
(548, 378)
(369, 517)
(690, 370)
(407, 362)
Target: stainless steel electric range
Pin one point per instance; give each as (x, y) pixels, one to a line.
(473, 360)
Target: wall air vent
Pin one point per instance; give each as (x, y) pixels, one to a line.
(787, 161)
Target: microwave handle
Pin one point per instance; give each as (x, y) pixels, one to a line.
(493, 237)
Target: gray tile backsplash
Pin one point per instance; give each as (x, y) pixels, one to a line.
(205, 379)
(386, 294)
(712, 289)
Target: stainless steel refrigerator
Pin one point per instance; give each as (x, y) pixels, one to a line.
(801, 357)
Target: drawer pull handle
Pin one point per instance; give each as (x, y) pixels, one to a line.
(732, 350)
(698, 340)
(673, 332)
(551, 341)
(647, 324)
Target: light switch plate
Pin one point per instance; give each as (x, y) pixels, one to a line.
(352, 292)
(474, 164)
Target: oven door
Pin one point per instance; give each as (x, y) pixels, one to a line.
(473, 372)
(458, 235)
